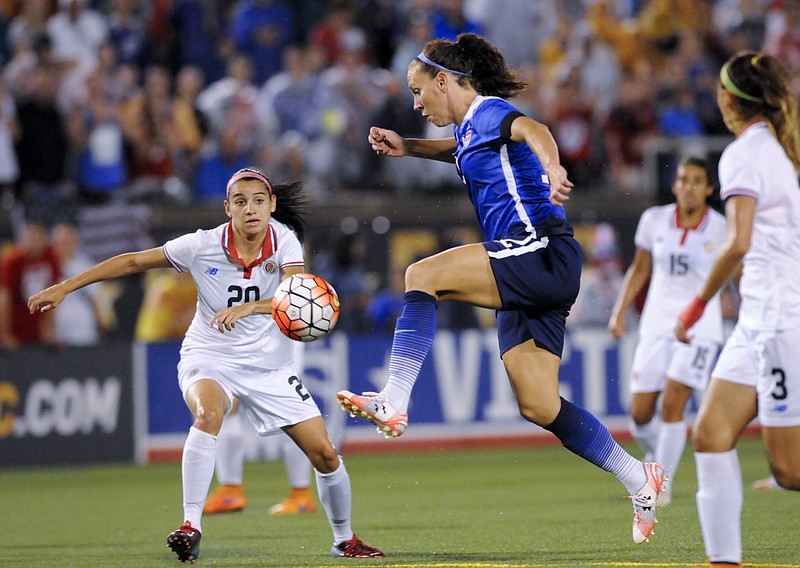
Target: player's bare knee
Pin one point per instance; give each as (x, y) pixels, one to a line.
(540, 415)
(208, 420)
(418, 276)
(708, 440)
(787, 478)
(325, 462)
(641, 417)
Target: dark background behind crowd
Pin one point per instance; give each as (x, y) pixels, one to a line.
(121, 120)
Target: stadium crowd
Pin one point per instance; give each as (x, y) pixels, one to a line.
(108, 106)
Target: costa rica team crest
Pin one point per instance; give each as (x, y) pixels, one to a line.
(271, 267)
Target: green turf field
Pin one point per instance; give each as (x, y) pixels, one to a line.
(526, 507)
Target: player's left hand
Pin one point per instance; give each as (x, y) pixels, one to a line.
(225, 320)
(560, 186)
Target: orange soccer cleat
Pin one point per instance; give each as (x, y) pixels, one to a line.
(644, 502)
(376, 408)
(226, 499)
(298, 501)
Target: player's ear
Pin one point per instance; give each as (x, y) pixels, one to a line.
(227, 208)
(274, 201)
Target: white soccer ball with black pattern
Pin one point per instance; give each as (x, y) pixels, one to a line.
(305, 307)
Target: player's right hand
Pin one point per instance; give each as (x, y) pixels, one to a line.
(386, 142)
(47, 299)
(616, 327)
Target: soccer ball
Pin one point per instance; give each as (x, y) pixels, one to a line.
(305, 307)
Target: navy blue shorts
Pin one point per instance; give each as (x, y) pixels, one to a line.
(538, 280)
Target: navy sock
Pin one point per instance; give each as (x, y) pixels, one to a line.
(584, 435)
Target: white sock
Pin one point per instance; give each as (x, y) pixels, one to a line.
(197, 470)
(671, 442)
(298, 468)
(647, 436)
(335, 495)
(719, 504)
(230, 451)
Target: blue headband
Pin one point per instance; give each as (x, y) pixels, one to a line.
(422, 57)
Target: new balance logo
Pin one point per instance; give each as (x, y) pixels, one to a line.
(212, 271)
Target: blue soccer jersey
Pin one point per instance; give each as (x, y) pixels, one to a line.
(506, 182)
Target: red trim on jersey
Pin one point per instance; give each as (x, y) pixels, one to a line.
(267, 249)
(694, 227)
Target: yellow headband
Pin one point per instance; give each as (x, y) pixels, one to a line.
(729, 86)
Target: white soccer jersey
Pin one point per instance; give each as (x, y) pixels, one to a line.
(222, 280)
(682, 259)
(756, 165)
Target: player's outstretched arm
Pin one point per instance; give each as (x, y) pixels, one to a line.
(389, 143)
(116, 267)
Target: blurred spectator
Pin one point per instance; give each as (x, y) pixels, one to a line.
(449, 20)
(418, 33)
(191, 125)
(151, 134)
(338, 32)
(630, 124)
(127, 30)
(77, 32)
(79, 319)
(199, 28)
(262, 29)
(229, 105)
(45, 191)
(28, 267)
(516, 27)
(744, 19)
(9, 134)
(215, 167)
(293, 163)
(383, 24)
(784, 41)
(96, 137)
(28, 25)
(600, 71)
(344, 268)
(295, 103)
(677, 116)
(361, 90)
(571, 117)
(168, 306)
(601, 280)
(386, 303)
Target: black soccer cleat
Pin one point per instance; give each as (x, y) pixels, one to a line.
(185, 542)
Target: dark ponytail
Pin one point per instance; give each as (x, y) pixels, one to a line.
(291, 207)
(473, 59)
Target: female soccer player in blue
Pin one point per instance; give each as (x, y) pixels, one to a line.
(528, 269)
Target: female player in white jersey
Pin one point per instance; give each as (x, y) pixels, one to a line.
(676, 245)
(758, 372)
(528, 269)
(234, 349)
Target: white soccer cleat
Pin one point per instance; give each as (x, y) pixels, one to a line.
(644, 502)
(376, 408)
